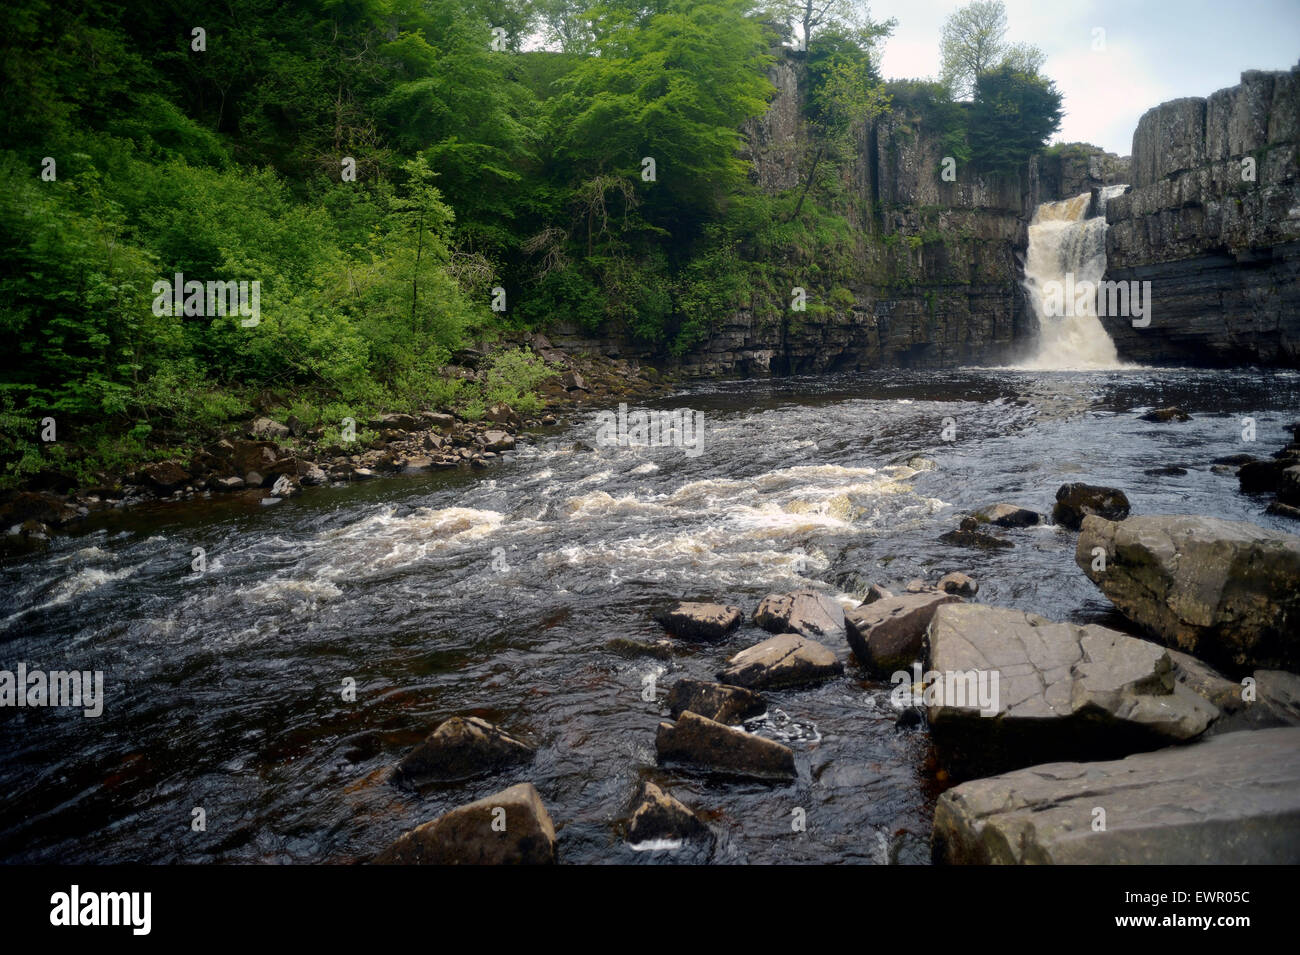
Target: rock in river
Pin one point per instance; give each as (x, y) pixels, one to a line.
(522, 834)
(1074, 502)
(805, 612)
(713, 747)
(784, 660)
(889, 634)
(1227, 592)
(461, 748)
(1055, 691)
(1007, 515)
(1230, 800)
(701, 621)
(660, 816)
(714, 701)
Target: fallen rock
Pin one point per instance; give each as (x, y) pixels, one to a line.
(227, 484)
(284, 486)
(1074, 502)
(1050, 691)
(714, 747)
(805, 612)
(784, 660)
(523, 835)
(312, 475)
(1263, 476)
(269, 429)
(461, 748)
(1163, 415)
(958, 583)
(497, 441)
(875, 592)
(714, 701)
(889, 634)
(701, 621)
(253, 456)
(443, 422)
(395, 422)
(1226, 592)
(166, 475)
(658, 816)
(1007, 515)
(1230, 800)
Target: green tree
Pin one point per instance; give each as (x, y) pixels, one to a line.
(1013, 115)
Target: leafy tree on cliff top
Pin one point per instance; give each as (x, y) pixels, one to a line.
(1013, 115)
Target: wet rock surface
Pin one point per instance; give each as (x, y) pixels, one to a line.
(889, 634)
(785, 660)
(461, 748)
(511, 827)
(1230, 800)
(713, 747)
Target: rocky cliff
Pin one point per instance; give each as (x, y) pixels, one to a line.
(1213, 222)
(933, 276)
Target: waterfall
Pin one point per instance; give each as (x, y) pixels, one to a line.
(1067, 249)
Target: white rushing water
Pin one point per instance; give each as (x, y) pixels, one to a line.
(1069, 249)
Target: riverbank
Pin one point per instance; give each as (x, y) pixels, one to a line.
(274, 459)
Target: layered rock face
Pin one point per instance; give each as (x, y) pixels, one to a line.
(934, 281)
(1220, 248)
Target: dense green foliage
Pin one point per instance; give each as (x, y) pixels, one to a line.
(400, 178)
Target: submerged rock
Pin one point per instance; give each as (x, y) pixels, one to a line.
(1227, 592)
(968, 534)
(701, 621)
(1230, 800)
(958, 583)
(511, 827)
(1024, 689)
(805, 612)
(889, 634)
(1074, 502)
(714, 747)
(1163, 415)
(714, 701)
(660, 816)
(784, 660)
(460, 748)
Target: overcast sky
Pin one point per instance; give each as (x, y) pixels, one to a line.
(1156, 50)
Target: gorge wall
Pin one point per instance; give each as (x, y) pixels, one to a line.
(934, 278)
(1221, 250)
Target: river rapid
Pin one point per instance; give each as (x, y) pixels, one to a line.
(511, 594)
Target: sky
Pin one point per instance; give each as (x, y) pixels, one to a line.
(1154, 50)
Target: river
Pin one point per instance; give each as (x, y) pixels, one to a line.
(498, 593)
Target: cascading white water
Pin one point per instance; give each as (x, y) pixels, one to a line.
(1066, 248)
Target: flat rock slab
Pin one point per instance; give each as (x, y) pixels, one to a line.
(713, 747)
(784, 660)
(889, 634)
(714, 701)
(523, 834)
(701, 621)
(1227, 592)
(1074, 502)
(1061, 691)
(1230, 800)
(658, 816)
(805, 612)
(461, 748)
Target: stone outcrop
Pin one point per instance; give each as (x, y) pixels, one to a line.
(479, 833)
(461, 748)
(712, 747)
(1024, 689)
(1213, 222)
(783, 661)
(1230, 800)
(1226, 592)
